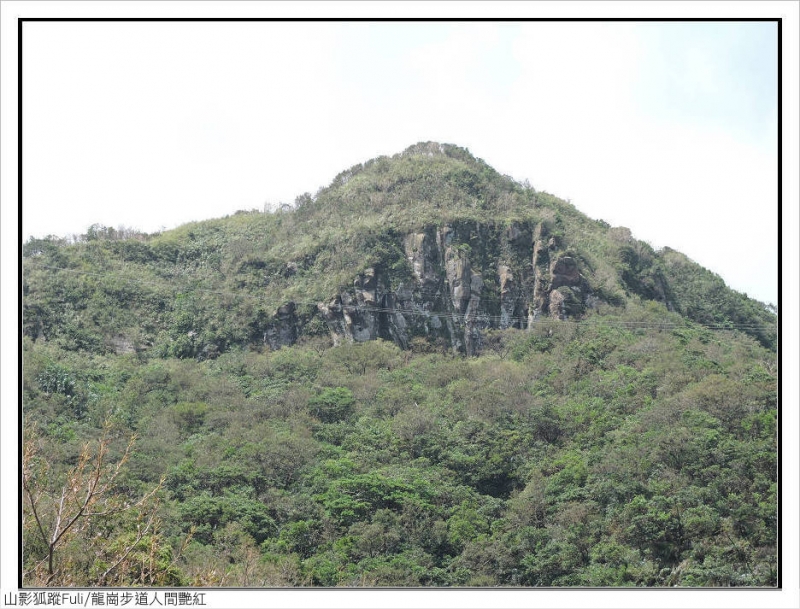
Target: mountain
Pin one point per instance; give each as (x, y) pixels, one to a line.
(431, 244)
(426, 374)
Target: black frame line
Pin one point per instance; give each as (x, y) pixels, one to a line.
(777, 20)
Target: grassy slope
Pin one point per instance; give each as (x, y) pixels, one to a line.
(634, 448)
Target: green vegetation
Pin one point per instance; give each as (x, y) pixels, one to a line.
(633, 444)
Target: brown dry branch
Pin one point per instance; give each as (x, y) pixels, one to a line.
(87, 495)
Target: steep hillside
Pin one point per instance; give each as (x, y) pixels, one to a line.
(431, 243)
(426, 374)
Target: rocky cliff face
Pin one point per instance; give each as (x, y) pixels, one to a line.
(430, 244)
(462, 280)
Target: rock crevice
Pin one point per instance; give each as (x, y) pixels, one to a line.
(462, 280)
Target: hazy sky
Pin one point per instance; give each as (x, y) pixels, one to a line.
(667, 128)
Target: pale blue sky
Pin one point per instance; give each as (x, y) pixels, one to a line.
(713, 74)
(645, 125)
(667, 128)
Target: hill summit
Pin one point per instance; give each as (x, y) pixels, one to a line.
(431, 244)
(307, 413)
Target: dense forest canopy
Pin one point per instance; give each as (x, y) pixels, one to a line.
(426, 374)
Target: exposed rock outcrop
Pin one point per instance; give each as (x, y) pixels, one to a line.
(461, 281)
(284, 328)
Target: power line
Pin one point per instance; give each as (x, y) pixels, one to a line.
(463, 318)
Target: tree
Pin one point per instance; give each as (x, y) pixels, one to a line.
(332, 404)
(86, 517)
